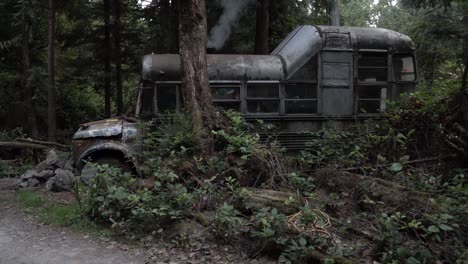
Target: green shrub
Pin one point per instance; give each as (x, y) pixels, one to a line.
(269, 225)
(237, 136)
(303, 183)
(228, 223)
(172, 134)
(121, 199)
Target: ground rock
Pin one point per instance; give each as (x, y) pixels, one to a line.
(29, 174)
(51, 161)
(28, 179)
(68, 165)
(33, 182)
(62, 181)
(45, 175)
(22, 184)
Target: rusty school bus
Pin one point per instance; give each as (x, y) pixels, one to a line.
(318, 75)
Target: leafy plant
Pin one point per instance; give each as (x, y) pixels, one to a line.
(122, 200)
(172, 135)
(303, 183)
(268, 225)
(227, 222)
(239, 140)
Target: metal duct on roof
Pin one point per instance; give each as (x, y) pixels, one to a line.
(292, 54)
(299, 47)
(167, 67)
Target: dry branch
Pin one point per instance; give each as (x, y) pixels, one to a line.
(458, 149)
(440, 157)
(45, 143)
(462, 130)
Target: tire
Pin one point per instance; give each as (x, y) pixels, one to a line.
(89, 171)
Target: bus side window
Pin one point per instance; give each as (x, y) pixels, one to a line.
(372, 86)
(263, 97)
(166, 98)
(301, 98)
(403, 68)
(147, 102)
(226, 96)
(372, 67)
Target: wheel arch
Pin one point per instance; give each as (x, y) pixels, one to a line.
(112, 150)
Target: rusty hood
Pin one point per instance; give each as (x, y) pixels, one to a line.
(99, 129)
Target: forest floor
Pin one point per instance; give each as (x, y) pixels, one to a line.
(25, 239)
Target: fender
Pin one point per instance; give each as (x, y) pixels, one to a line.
(127, 151)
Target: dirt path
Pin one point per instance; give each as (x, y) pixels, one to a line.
(23, 240)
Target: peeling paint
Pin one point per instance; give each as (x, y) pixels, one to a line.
(111, 134)
(99, 129)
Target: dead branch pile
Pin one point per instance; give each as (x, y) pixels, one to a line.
(269, 167)
(387, 193)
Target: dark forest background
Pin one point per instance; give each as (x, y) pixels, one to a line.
(98, 46)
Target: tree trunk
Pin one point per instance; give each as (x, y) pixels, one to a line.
(118, 64)
(195, 84)
(26, 86)
(262, 25)
(51, 109)
(333, 13)
(107, 59)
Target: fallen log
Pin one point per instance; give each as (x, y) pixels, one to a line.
(46, 143)
(285, 202)
(392, 195)
(22, 145)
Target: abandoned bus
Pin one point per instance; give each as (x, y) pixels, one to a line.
(318, 76)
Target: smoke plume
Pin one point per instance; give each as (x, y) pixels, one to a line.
(227, 21)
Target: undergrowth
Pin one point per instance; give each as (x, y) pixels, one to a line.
(338, 226)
